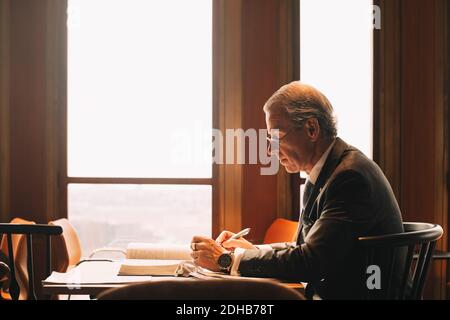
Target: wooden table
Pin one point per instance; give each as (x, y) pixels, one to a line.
(108, 270)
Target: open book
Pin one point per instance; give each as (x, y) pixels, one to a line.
(139, 250)
(146, 259)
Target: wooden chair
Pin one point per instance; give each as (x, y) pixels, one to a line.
(388, 250)
(66, 248)
(19, 250)
(18, 245)
(187, 289)
(4, 269)
(281, 230)
(67, 251)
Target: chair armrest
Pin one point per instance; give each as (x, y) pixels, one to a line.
(93, 260)
(107, 249)
(4, 272)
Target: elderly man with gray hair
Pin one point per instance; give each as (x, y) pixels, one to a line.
(346, 196)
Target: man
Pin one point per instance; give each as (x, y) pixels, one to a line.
(346, 196)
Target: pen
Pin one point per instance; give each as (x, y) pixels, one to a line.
(240, 234)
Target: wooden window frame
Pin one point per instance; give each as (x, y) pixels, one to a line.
(58, 37)
(229, 54)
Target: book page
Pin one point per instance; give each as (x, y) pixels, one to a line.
(144, 267)
(139, 250)
(92, 273)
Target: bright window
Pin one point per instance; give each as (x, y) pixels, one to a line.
(336, 57)
(139, 106)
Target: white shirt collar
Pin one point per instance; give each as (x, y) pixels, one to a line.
(314, 174)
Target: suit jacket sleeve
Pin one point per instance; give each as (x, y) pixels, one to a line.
(347, 213)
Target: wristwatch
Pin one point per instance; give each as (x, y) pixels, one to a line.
(225, 262)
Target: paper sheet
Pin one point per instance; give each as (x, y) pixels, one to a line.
(94, 273)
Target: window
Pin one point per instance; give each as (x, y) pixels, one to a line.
(139, 120)
(336, 57)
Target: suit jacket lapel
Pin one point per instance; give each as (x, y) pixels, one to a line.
(334, 158)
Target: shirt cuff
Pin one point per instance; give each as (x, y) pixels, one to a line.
(238, 253)
(264, 247)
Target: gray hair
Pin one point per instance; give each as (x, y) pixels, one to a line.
(302, 102)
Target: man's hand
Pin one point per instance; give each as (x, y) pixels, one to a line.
(207, 253)
(224, 240)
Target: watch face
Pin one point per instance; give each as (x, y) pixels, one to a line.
(225, 260)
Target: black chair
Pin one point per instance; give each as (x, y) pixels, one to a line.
(406, 258)
(4, 271)
(195, 289)
(28, 230)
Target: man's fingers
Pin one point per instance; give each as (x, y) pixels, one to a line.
(197, 254)
(224, 235)
(238, 243)
(200, 239)
(203, 246)
(231, 244)
(201, 261)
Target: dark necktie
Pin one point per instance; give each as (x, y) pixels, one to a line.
(304, 221)
(307, 192)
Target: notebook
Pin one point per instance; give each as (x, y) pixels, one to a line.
(146, 259)
(146, 267)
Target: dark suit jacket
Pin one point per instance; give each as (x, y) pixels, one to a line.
(351, 198)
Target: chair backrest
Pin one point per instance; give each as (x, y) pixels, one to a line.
(15, 238)
(195, 289)
(66, 248)
(4, 271)
(21, 257)
(401, 259)
(281, 230)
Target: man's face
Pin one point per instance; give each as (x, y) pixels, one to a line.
(295, 148)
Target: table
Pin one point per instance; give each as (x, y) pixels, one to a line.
(92, 278)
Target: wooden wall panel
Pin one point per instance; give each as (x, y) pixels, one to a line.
(260, 74)
(29, 119)
(27, 102)
(36, 100)
(418, 112)
(254, 54)
(4, 110)
(387, 93)
(289, 66)
(270, 60)
(423, 148)
(56, 109)
(227, 111)
(410, 114)
(447, 136)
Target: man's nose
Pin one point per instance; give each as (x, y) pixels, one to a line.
(273, 149)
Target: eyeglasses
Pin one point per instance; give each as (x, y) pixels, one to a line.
(272, 139)
(274, 144)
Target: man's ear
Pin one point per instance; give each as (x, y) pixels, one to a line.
(312, 129)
